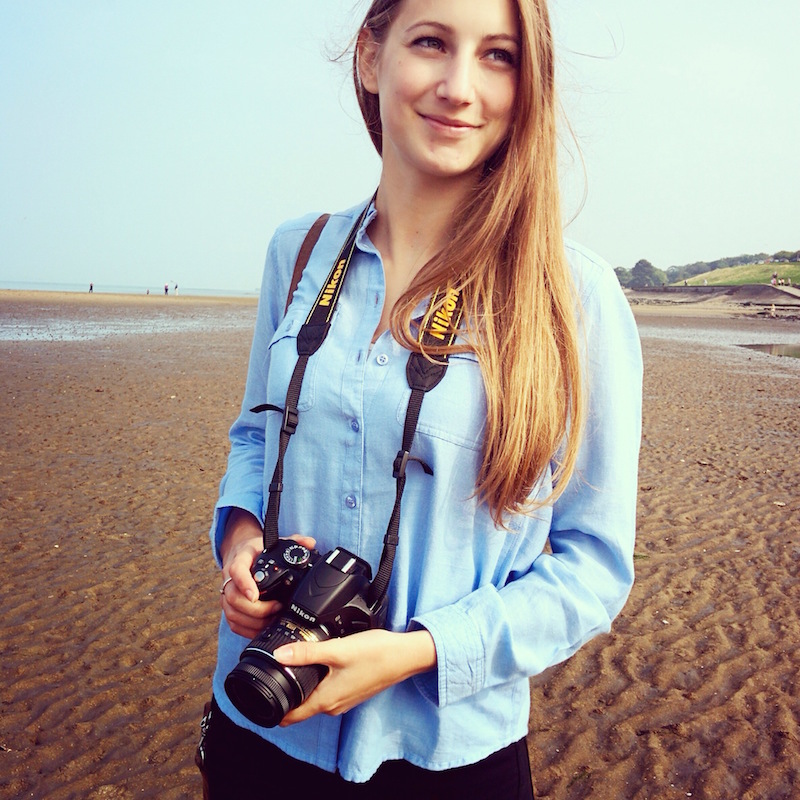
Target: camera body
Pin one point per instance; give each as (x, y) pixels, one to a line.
(277, 570)
(324, 597)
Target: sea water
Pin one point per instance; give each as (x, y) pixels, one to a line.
(784, 350)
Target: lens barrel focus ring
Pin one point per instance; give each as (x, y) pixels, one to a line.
(263, 689)
(263, 695)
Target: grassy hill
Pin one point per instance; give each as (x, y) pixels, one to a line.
(746, 273)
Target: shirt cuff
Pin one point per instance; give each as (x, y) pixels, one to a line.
(460, 654)
(246, 501)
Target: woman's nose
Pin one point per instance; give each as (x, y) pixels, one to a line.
(457, 84)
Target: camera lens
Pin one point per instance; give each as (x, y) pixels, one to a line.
(263, 689)
(261, 692)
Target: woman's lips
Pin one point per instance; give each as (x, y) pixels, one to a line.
(454, 126)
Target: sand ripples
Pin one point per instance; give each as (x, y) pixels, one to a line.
(695, 692)
(111, 456)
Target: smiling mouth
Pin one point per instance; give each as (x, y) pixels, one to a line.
(446, 124)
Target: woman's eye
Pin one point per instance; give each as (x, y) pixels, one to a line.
(429, 42)
(505, 56)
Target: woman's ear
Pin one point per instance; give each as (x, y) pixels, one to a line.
(367, 49)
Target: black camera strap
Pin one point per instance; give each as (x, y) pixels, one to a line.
(438, 327)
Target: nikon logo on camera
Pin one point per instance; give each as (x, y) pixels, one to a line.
(327, 295)
(302, 614)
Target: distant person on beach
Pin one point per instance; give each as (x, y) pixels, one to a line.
(444, 347)
(166, 289)
(91, 288)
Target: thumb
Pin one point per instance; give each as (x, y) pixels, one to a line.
(299, 654)
(243, 579)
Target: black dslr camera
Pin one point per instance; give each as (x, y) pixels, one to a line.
(324, 597)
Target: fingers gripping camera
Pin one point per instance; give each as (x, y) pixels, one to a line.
(325, 598)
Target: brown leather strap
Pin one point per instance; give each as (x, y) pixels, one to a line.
(305, 253)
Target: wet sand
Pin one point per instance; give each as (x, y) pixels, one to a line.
(112, 449)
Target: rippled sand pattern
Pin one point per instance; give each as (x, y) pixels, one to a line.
(112, 450)
(695, 693)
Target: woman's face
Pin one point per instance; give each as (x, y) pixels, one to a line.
(446, 77)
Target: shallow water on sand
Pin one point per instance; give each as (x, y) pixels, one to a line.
(722, 333)
(70, 324)
(785, 350)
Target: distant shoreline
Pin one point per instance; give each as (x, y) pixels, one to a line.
(749, 300)
(119, 289)
(121, 298)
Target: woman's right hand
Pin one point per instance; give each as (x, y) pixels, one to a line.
(241, 545)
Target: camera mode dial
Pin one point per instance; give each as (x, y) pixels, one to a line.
(295, 555)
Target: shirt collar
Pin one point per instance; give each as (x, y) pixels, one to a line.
(363, 241)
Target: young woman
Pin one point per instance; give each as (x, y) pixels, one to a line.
(517, 548)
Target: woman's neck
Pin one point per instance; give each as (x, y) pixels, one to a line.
(414, 221)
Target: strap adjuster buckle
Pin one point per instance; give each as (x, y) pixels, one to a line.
(401, 461)
(290, 419)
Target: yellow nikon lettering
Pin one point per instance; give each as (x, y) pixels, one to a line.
(330, 289)
(437, 330)
(441, 322)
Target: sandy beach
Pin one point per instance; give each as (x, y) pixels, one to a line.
(114, 438)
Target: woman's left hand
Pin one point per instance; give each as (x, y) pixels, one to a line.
(359, 666)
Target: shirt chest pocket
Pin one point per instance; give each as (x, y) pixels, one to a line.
(455, 410)
(280, 364)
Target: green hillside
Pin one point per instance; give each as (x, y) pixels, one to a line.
(746, 273)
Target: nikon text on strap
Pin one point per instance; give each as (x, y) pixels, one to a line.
(438, 327)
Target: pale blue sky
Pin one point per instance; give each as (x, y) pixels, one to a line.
(145, 141)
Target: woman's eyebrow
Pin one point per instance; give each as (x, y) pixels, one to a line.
(503, 37)
(424, 23)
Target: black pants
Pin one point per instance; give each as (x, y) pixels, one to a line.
(239, 764)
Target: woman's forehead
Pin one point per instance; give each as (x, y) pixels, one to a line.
(491, 17)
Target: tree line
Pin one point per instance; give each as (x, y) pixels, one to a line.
(644, 274)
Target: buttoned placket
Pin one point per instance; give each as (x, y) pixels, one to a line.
(365, 281)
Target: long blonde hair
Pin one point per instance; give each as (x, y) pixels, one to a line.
(507, 256)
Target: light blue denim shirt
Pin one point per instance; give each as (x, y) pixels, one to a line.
(498, 607)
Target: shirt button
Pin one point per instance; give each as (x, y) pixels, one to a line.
(354, 426)
(382, 360)
(350, 501)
